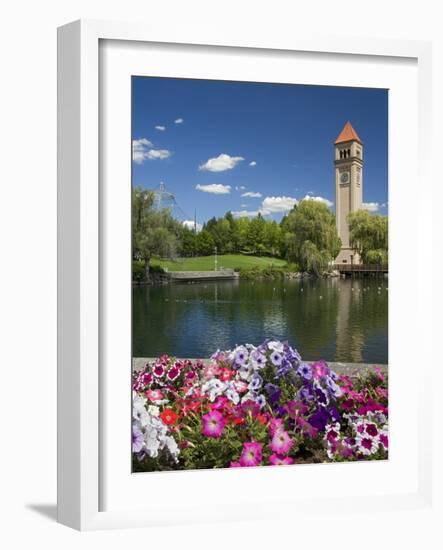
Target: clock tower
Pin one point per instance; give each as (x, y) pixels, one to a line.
(348, 187)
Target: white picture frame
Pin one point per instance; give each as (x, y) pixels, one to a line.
(81, 409)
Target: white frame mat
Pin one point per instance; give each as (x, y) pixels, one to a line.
(95, 492)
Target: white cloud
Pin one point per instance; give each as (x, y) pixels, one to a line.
(246, 213)
(221, 163)
(157, 154)
(138, 149)
(214, 188)
(240, 187)
(272, 205)
(252, 194)
(178, 121)
(161, 128)
(190, 225)
(142, 150)
(318, 199)
(371, 206)
(252, 163)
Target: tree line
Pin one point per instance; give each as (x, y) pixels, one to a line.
(306, 236)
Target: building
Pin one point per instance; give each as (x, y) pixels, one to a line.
(348, 187)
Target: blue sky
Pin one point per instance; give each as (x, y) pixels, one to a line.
(249, 147)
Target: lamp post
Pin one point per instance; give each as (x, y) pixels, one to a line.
(215, 258)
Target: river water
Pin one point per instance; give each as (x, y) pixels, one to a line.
(332, 319)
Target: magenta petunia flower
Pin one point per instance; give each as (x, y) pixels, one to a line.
(251, 454)
(158, 371)
(281, 443)
(384, 440)
(371, 429)
(173, 372)
(213, 424)
(276, 460)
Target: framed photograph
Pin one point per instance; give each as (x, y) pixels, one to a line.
(234, 219)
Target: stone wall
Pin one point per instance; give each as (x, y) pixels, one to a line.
(350, 369)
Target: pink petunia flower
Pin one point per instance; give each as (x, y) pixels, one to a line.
(211, 371)
(276, 425)
(220, 403)
(240, 386)
(213, 424)
(281, 443)
(154, 395)
(251, 454)
(276, 460)
(319, 369)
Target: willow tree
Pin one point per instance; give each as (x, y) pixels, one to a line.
(154, 232)
(368, 235)
(311, 236)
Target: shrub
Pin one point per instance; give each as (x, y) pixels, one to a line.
(138, 271)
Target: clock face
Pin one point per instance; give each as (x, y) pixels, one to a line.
(344, 178)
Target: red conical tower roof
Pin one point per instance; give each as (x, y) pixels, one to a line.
(348, 134)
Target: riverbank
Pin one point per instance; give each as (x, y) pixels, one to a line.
(159, 277)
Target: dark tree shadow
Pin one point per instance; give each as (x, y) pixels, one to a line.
(48, 511)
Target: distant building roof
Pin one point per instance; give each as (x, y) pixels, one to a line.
(348, 134)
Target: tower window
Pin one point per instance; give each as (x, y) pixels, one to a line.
(349, 153)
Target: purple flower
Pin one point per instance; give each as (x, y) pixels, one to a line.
(256, 382)
(137, 439)
(258, 359)
(284, 368)
(305, 370)
(273, 392)
(276, 358)
(319, 419)
(321, 395)
(333, 388)
(241, 355)
(291, 353)
(306, 393)
(251, 454)
(213, 424)
(261, 401)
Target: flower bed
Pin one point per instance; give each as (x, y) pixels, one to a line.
(255, 406)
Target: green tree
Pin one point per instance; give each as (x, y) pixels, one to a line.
(188, 242)
(154, 233)
(311, 236)
(255, 235)
(368, 235)
(204, 243)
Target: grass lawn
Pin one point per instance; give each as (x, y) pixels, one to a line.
(229, 261)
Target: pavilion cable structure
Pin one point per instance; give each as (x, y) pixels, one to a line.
(164, 199)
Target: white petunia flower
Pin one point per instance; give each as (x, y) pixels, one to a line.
(154, 410)
(274, 345)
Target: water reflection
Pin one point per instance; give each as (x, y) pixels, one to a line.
(335, 319)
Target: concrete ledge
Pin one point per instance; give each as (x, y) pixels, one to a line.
(349, 369)
(202, 275)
